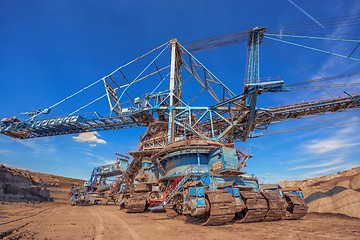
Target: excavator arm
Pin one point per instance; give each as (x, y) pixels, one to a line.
(278, 114)
(72, 124)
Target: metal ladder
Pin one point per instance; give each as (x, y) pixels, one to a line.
(189, 174)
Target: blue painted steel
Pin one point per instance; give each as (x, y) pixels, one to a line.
(252, 183)
(176, 163)
(227, 157)
(224, 157)
(297, 193)
(200, 192)
(66, 125)
(221, 158)
(195, 199)
(281, 193)
(145, 164)
(253, 71)
(77, 124)
(236, 192)
(192, 191)
(99, 174)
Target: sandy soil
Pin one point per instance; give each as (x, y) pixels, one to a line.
(334, 193)
(58, 221)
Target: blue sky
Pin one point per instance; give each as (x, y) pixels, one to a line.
(51, 49)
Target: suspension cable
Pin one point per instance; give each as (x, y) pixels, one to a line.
(324, 79)
(311, 37)
(94, 83)
(65, 99)
(138, 76)
(312, 48)
(126, 85)
(281, 54)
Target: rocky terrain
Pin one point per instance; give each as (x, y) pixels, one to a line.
(17, 185)
(335, 193)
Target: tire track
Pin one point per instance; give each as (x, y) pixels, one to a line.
(99, 226)
(20, 231)
(126, 227)
(25, 217)
(11, 231)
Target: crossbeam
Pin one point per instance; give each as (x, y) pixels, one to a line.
(71, 125)
(266, 116)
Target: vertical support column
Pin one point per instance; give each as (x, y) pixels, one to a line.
(171, 130)
(172, 70)
(250, 122)
(107, 94)
(253, 65)
(211, 124)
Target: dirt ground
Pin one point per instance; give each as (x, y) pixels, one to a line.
(59, 221)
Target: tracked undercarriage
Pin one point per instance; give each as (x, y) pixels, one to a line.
(203, 180)
(255, 207)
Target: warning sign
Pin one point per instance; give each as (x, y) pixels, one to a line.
(217, 166)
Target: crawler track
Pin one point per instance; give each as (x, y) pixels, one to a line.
(276, 206)
(297, 207)
(222, 208)
(256, 208)
(136, 203)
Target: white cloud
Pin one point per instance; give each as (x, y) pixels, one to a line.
(39, 146)
(98, 160)
(101, 163)
(348, 130)
(109, 161)
(318, 165)
(5, 151)
(91, 137)
(329, 145)
(341, 167)
(322, 156)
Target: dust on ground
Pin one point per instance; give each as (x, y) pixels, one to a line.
(59, 221)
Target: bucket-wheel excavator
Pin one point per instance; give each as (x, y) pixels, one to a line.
(187, 162)
(101, 184)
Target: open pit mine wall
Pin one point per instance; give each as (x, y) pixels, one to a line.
(17, 186)
(334, 193)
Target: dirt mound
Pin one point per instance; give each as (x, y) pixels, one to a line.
(335, 193)
(58, 186)
(18, 186)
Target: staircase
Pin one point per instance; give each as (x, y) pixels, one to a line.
(189, 174)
